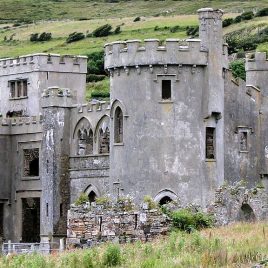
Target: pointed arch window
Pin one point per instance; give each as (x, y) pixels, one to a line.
(104, 141)
(85, 141)
(118, 125)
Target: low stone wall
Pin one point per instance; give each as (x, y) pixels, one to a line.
(237, 203)
(90, 224)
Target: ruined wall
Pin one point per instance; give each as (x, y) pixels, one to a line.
(242, 131)
(92, 224)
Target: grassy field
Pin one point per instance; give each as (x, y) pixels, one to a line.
(238, 245)
(90, 9)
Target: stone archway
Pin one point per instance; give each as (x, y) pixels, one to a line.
(92, 192)
(246, 213)
(165, 196)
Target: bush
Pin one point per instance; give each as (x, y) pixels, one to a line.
(35, 37)
(95, 64)
(95, 77)
(112, 255)
(175, 29)
(247, 15)
(103, 30)
(227, 22)
(192, 30)
(73, 37)
(137, 19)
(100, 94)
(117, 30)
(83, 198)
(263, 12)
(151, 203)
(238, 69)
(186, 220)
(87, 260)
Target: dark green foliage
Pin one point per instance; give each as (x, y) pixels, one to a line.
(103, 30)
(227, 22)
(100, 94)
(45, 37)
(238, 69)
(263, 12)
(175, 29)
(73, 37)
(95, 63)
(192, 31)
(34, 37)
(187, 220)
(247, 15)
(87, 260)
(112, 255)
(95, 77)
(137, 19)
(117, 30)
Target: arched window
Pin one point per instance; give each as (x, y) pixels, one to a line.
(104, 141)
(118, 125)
(85, 141)
(246, 213)
(164, 200)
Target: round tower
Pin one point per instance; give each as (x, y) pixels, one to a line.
(162, 145)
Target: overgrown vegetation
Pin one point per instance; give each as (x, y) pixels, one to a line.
(83, 198)
(238, 69)
(75, 36)
(36, 37)
(103, 30)
(238, 245)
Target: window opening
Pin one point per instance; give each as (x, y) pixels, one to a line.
(104, 141)
(85, 141)
(61, 210)
(92, 197)
(31, 162)
(47, 209)
(246, 213)
(18, 88)
(210, 143)
(165, 200)
(243, 141)
(166, 89)
(118, 125)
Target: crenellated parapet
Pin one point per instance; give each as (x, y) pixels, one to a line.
(43, 62)
(56, 96)
(259, 62)
(93, 106)
(174, 51)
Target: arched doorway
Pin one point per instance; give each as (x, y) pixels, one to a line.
(165, 196)
(92, 197)
(246, 213)
(92, 192)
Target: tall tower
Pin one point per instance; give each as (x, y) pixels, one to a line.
(167, 115)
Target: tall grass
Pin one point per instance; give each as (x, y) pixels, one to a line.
(238, 245)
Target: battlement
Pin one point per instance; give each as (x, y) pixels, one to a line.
(20, 121)
(56, 96)
(93, 106)
(43, 62)
(174, 51)
(259, 62)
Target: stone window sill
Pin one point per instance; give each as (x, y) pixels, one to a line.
(165, 101)
(30, 178)
(19, 98)
(243, 152)
(210, 160)
(119, 144)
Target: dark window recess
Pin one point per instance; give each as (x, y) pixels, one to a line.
(14, 114)
(210, 143)
(118, 125)
(31, 162)
(47, 209)
(1, 219)
(104, 141)
(165, 200)
(166, 89)
(61, 210)
(31, 220)
(85, 141)
(100, 222)
(18, 88)
(92, 197)
(243, 141)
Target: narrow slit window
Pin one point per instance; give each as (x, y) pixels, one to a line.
(210, 143)
(118, 125)
(166, 89)
(243, 141)
(12, 89)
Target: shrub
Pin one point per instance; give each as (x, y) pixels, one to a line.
(75, 36)
(35, 37)
(137, 19)
(192, 30)
(112, 255)
(263, 12)
(103, 30)
(83, 198)
(186, 220)
(238, 19)
(95, 77)
(117, 30)
(95, 64)
(175, 29)
(100, 94)
(151, 203)
(87, 260)
(238, 69)
(227, 22)
(102, 200)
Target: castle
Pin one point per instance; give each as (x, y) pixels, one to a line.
(177, 126)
